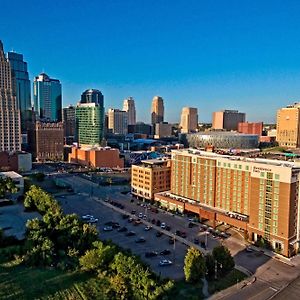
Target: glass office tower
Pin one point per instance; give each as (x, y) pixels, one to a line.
(22, 83)
(90, 118)
(47, 98)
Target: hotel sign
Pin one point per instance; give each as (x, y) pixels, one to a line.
(260, 169)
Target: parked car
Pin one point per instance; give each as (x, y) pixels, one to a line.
(93, 220)
(144, 217)
(122, 229)
(125, 217)
(165, 262)
(130, 233)
(171, 241)
(133, 212)
(163, 225)
(108, 228)
(153, 221)
(191, 225)
(130, 220)
(87, 217)
(147, 228)
(158, 234)
(140, 240)
(196, 241)
(151, 254)
(165, 252)
(140, 215)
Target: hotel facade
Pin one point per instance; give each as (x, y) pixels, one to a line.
(260, 196)
(150, 177)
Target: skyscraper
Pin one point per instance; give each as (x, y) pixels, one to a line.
(117, 121)
(92, 96)
(227, 119)
(20, 75)
(288, 126)
(47, 98)
(69, 123)
(189, 119)
(129, 107)
(89, 115)
(157, 110)
(10, 129)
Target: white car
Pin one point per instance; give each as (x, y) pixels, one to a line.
(93, 220)
(108, 228)
(163, 225)
(165, 262)
(147, 228)
(140, 215)
(87, 217)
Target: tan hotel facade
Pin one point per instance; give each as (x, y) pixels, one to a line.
(150, 177)
(259, 196)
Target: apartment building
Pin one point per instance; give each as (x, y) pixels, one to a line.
(150, 177)
(260, 196)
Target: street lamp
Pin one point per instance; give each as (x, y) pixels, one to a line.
(206, 239)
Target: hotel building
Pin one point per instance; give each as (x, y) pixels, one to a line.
(150, 177)
(260, 196)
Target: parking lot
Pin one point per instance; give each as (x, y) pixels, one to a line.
(13, 220)
(83, 204)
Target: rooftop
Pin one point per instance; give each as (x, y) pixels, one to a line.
(212, 155)
(10, 174)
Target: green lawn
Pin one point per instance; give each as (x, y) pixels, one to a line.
(19, 282)
(230, 279)
(186, 291)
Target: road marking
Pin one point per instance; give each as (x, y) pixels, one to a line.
(273, 289)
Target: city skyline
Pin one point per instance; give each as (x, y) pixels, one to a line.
(224, 59)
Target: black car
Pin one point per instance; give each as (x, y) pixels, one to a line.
(122, 229)
(130, 233)
(165, 252)
(171, 241)
(196, 241)
(133, 212)
(168, 228)
(151, 254)
(115, 225)
(125, 216)
(158, 234)
(191, 225)
(140, 240)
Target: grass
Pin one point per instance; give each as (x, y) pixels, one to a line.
(186, 291)
(230, 279)
(19, 282)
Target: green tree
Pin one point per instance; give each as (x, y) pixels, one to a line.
(210, 265)
(120, 287)
(223, 256)
(7, 186)
(99, 258)
(194, 265)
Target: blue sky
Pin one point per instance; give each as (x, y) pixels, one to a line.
(213, 55)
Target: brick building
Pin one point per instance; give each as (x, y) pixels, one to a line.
(259, 196)
(46, 141)
(97, 157)
(150, 177)
(250, 128)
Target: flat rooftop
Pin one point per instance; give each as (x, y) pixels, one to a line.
(154, 161)
(10, 174)
(212, 155)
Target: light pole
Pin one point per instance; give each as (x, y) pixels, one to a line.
(206, 240)
(174, 247)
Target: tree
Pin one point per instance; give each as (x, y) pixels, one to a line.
(99, 258)
(223, 256)
(194, 265)
(7, 186)
(120, 287)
